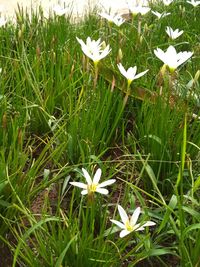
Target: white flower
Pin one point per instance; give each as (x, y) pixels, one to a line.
(3, 22)
(194, 3)
(93, 186)
(173, 34)
(116, 19)
(129, 224)
(137, 7)
(171, 58)
(167, 2)
(93, 49)
(160, 15)
(59, 11)
(130, 74)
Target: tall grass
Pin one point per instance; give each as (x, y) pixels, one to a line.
(55, 119)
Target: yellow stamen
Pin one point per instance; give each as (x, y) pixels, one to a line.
(92, 188)
(128, 226)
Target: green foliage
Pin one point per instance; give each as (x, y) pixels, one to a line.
(59, 113)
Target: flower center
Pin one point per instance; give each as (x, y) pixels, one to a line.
(128, 226)
(92, 188)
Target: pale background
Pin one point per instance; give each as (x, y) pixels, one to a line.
(78, 7)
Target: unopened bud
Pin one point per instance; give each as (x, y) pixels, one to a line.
(120, 54)
(196, 77)
(103, 45)
(141, 39)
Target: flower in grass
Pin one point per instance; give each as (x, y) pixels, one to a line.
(129, 225)
(173, 34)
(113, 18)
(160, 15)
(171, 58)
(3, 21)
(94, 49)
(137, 7)
(194, 3)
(167, 2)
(60, 11)
(93, 186)
(130, 74)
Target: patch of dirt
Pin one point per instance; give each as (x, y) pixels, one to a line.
(5, 255)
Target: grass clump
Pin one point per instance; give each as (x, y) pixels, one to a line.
(66, 112)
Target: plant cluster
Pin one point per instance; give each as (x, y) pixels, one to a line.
(125, 104)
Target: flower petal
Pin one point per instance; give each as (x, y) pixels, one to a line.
(140, 74)
(121, 225)
(87, 176)
(149, 223)
(84, 192)
(124, 233)
(108, 182)
(97, 176)
(102, 191)
(135, 216)
(123, 214)
(122, 70)
(81, 185)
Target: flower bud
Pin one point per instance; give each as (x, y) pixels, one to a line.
(120, 54)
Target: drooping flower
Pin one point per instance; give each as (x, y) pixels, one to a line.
(93, 186)
(160, 15)
(194, 3)
(130, 74)
(137, 7)
(94, 49)
(167, 2)
(113, 18)
(129, 225)
(60, 11)
(3, 21)
(171, 58)
(173, 34)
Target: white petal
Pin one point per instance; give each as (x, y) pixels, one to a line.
(171, 52)
(122, 70)
(124, 233)
(81, 185)
(131, 73)
(135, 216)
(80, 41)
(84, 192)
(138, 227)
(160, 54)
(123, 214)
(87, 176)
(121, 225)
(149, 223)
(108, 182)
(97, 176)
(140, 74)
(102, 191)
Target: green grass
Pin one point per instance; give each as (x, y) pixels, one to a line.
(56, 118)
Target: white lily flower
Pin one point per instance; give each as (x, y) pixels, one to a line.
(160, 15)
(60, 11)
(171, 58)
(194, 3)
(137, 7)
(167, 2)
(93, 49)
(173, 34)
(130, 224)
(130, 74)
(3, 22)
(116, 19)
(93, 186)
